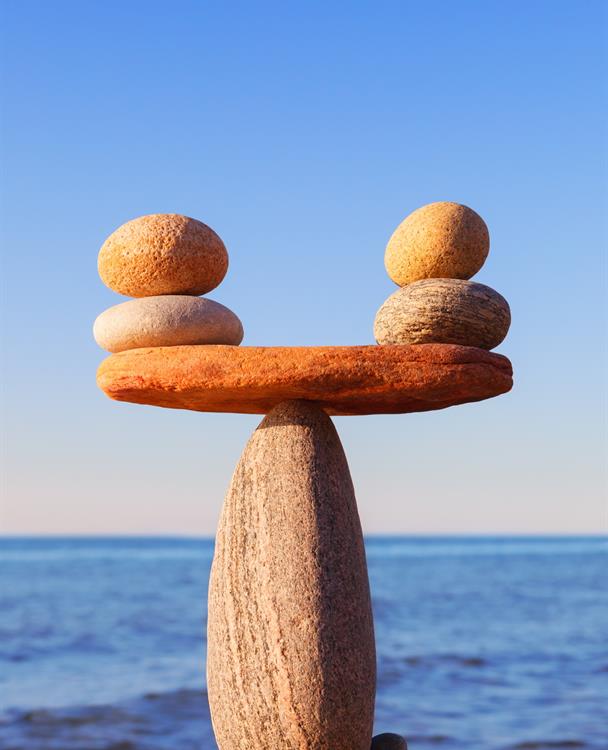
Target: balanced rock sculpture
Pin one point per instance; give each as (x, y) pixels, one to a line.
(291, 655)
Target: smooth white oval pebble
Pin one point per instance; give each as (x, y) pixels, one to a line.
(167, 320)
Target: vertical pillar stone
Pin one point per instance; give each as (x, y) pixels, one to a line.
(291, 655)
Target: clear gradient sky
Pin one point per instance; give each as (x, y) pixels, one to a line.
(303, 133)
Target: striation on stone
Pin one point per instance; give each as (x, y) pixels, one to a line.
(439, 240)
(166, 320)
(342, 380)
(162, 254)
(291, 655)
(444, 311)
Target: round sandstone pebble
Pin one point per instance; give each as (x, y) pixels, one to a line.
(443, 311)
(168, 320)
(162, 254)
(439, 240)
(388, 741)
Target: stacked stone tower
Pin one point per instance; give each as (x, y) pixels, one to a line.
(291, 655)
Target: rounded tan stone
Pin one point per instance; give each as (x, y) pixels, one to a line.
(443, 311)
(162, 254)
(439, 240)
(291, 655)
(167, 320)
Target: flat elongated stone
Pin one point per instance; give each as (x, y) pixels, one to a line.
(291, 657)
(341, 379)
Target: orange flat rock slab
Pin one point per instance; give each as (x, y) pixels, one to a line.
(343, 380)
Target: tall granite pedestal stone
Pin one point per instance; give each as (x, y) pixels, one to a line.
(291, 656)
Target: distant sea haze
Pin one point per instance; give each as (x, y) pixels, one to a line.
(483, 643)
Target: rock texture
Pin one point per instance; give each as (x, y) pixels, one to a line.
(341, 379)
(167, 320)
(444, 311)
(162, 254)
(388, 741)
(440, 240)
(291, 659)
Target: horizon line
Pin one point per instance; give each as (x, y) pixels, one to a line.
(381, 535)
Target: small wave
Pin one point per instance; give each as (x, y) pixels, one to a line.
(429, 739)
(75, 717)
(462, 661)
(174, 720)
(545, 745)
(172, 696)
(392, 670)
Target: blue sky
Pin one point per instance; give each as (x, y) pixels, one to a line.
(303, 133)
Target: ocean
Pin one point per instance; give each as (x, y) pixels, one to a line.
(483, 643)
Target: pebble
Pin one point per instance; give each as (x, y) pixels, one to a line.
(162, 254)
(443, 311)
(439, 240)
(388, 741)
(168, 320)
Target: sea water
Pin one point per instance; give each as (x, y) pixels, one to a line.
(483, 643)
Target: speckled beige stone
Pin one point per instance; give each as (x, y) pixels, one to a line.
(162, 254)
(340, 379)
(443, 311)
(291, 657)
(439, 240)
(167, 320)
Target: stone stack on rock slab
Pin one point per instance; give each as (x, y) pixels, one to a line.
(167, 260)
(291, 653)
(432, 255)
